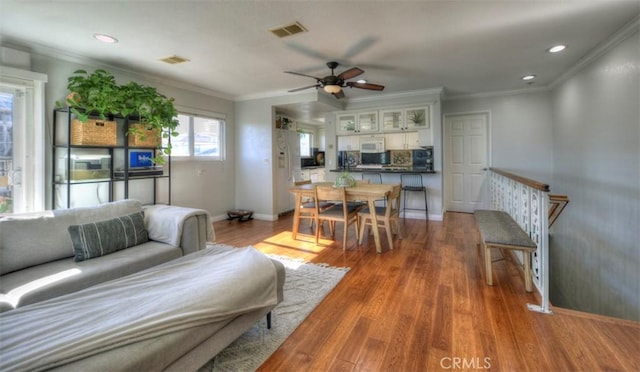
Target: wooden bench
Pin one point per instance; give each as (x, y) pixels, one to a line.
(499, 230)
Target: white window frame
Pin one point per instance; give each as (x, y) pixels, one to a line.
(311, 139)
(221, 135)
(30, 144)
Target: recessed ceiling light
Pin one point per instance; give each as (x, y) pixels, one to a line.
(528, 77)
(557, 48)
(361, 81)
(105, 38)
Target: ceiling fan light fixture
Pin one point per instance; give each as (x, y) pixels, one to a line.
(332, 89)
(361, 81)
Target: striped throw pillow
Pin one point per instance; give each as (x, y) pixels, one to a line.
(101, 238)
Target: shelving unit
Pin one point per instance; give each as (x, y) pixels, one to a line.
(87, 175)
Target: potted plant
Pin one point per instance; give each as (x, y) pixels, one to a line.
(95, 93)
(344, 180)
(156, 113)
(98, 94)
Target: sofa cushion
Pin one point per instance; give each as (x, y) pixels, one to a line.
(33, 239)
(60, 277)
(101, 238)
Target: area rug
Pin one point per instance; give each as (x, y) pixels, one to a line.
(306, 285)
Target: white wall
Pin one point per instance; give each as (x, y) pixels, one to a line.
(595, 245)
(520, 131)
(206, 185)
(256, 151)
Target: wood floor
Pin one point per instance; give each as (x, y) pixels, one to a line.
(425, 306)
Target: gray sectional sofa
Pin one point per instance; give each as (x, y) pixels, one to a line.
(37, 259)
(64, 261)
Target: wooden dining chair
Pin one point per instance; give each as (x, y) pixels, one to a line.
(307, 205)
(342, 211)
(388, 217)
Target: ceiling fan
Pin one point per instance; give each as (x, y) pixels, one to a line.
(333, 84)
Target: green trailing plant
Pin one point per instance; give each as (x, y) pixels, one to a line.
(154, 110)
(95, 93)
(98, 94)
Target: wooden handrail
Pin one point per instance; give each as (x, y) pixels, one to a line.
(556, 206)
(529, 182)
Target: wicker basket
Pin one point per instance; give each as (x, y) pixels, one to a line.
(93, 132)
(88, 174)
(151, 137)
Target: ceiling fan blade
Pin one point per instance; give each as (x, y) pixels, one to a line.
(303, 88)
(297, 73)
(368, 86)
(350, 73)
(339, 95)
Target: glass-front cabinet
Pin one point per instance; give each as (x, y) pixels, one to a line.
(392, 119)
(405, 119)
(346, 124)
(417, 118)
(362, 122)
(368, 122)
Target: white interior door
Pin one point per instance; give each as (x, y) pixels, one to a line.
(465, 160)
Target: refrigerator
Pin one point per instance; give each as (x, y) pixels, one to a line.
(288, 168)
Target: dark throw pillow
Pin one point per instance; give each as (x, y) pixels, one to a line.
(101, 238)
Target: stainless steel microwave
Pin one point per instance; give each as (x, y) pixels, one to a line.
(371, 144)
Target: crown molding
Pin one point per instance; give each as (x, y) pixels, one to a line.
(400, 95)
(597, 52)
(46, 51)
(497, 93)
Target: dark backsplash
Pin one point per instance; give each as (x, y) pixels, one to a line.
(420, 159)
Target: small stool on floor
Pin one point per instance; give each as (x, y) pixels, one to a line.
(242, 215)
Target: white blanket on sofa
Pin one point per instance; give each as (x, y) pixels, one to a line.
(164, 222)
(206, 287)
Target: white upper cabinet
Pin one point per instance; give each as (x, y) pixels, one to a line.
(405, 119)
(362, 122)
(348, 143)
(402, 141)
(392, 120)
(417, 118)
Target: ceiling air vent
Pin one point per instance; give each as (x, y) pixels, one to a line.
(174, 60)
(288, 30)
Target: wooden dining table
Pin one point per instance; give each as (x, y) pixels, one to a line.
(361, 192)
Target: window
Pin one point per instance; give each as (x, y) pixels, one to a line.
(199, 136)
(306, 139)
(22, 141)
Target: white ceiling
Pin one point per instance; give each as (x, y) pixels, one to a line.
(466, 47)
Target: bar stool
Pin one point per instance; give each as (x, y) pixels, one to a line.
(412, 182)
(372, 177)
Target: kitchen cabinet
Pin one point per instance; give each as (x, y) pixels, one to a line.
(313, 175)
(348, 143)
(90, 174)
(402, 141)
(361, 122)
(405, 119)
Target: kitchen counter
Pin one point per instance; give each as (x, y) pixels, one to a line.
(382, 170)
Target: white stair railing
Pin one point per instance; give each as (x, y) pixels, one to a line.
(527, 202)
